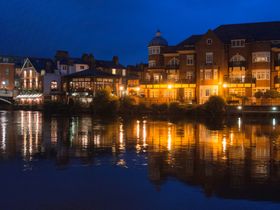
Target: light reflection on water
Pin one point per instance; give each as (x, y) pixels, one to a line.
(239, 161)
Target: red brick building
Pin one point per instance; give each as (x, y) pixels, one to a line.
(233, 61)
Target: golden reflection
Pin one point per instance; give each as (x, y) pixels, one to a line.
(187, 150)
(169, 138)
(121, 137)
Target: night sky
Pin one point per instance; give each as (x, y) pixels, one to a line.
(116, 27)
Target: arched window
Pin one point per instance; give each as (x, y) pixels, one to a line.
(173, 62)
(54, 85)
(237, 58)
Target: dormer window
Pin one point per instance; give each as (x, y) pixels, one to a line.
(209, 41)
(238, 43)
(173, 62)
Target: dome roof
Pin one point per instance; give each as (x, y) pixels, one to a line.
(158, 40)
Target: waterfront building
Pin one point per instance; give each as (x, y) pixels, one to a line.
(82, 86)
(234, 61)
(38, 81)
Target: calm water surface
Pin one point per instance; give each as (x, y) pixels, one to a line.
(79, 162)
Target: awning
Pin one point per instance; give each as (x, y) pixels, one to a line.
(29, 96)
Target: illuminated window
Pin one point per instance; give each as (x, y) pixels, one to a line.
(209, 58)
(173, 62)
(54, 85)
(208, 74)
(207, 92)
(261, 74)
(215, 74)
(123, 72)
(238, 43)
(189, 75)
(152, 63)
(260, 57)
(114, 71)
(154, 50)
(190, 60)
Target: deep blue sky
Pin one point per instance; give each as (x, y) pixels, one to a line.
(116, 27)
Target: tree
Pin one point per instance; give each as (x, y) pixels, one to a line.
(104, 103)
(215, 106)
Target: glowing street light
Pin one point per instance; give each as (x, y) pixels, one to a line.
(170, 86)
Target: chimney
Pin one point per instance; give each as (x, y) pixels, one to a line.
(61, 54)
(116, 60)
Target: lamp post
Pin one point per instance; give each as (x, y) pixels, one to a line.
(4, 85)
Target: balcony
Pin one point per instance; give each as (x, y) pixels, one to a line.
(240, 80)
(172, 66)
(237, 64)
(170, 81)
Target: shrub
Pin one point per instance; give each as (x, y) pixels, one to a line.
(259, 94)
(271, 94)
(215, 106)
(175, 108)
(127, 105)
(104, 103)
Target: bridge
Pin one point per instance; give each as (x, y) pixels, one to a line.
(6, 96)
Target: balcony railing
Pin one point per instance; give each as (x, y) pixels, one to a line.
(172, 66)
(235, 80)
(179, 81)
(237, 64)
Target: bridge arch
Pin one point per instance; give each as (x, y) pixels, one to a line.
(5, 100)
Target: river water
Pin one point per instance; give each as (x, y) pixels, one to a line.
(81, 162)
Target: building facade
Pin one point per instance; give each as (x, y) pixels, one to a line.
(233, 61)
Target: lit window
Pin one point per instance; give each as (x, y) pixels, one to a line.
(53, 85)
(154, 50)
(215, 74)
(114, 71)
(209, 41)
(123, 72)
(152, 63)
(261, 74)
(173, 62)
(238, 43)
(209, 58)
(189, 75)
(258, 57)
(207, 92)
(190, 60)
(208, 74)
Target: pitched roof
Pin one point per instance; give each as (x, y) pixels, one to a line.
(263, 31)
(90, 73)
(190, 41)
(42, 63)
(108, 64)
